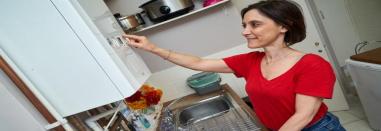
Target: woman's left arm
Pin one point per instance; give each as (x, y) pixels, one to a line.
(305, 109)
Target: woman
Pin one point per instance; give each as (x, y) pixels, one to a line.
(286, 86)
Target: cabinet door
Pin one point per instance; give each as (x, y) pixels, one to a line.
(93, 22)
(47, 50)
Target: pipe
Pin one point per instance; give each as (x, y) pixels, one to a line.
(113, 116)
(60, 119)
(91, 122)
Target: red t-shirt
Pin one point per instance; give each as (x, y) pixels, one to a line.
(274, 100)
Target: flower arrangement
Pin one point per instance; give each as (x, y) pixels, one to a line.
(144, 97)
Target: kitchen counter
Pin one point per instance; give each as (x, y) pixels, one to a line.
(225, 88)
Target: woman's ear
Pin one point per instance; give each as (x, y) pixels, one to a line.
(283, 29)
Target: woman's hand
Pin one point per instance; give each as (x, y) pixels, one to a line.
(140, 42)
(188, 61)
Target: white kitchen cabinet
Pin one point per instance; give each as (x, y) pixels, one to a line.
(76, 62)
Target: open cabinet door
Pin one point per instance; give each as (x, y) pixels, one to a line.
(51, 54)
(95, 25)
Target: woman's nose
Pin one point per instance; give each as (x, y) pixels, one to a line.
(245, 31)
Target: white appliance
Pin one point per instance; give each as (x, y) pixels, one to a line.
(367, 79)
(71, 51)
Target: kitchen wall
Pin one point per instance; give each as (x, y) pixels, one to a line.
(125, 7)
(339, 28)
(348, 22)
(128, 7)
(212, 33)
(367, 20)
(240, 4)
(173, 80)
(201, 34)
(17, 113)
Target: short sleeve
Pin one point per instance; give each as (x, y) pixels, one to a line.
(315, 78)
(241, 63)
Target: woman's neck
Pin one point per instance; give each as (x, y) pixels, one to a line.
(276, 52)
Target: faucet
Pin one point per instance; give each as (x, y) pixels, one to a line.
(167, 110)
(168, 123)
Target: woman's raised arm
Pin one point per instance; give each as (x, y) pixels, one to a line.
(184, 60)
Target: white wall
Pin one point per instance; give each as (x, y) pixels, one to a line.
(125, 7)
(17, 113)
(339, 28)
(240, 4)
(214, 33)
(348, 22)
(128, 7)
(366, 16)
(173, 80)
(201, 34)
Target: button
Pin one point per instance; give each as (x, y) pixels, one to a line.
(165, 9)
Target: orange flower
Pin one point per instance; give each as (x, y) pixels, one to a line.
(136, 105)
(146, 96)
(146, 88)
(153, 97)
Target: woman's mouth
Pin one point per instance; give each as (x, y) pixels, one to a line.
(251, 38)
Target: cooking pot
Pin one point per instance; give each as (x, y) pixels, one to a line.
(209, 2)
(130, 22)
(161, 10)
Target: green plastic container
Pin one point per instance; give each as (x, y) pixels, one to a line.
(204, 82)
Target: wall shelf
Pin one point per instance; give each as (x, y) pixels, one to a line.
(180, 17)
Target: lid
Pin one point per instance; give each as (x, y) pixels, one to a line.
(202, 79)
(147, 3)
(371, 56)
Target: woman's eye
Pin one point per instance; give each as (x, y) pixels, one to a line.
(244, 25)
(254, 24)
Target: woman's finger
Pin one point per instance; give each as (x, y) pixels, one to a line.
(127, 39)
(133, 44)
(132, 37)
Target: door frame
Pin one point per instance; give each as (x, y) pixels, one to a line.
(4, 66)
(312, 8)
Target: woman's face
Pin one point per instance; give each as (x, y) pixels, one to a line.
(261, 31)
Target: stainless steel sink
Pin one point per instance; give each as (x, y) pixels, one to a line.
(215, 113)
(204, 110)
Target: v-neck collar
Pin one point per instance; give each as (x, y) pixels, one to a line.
(281, 75)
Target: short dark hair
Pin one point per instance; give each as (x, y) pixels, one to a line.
(284, 13)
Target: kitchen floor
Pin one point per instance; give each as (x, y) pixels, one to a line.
(353, 119)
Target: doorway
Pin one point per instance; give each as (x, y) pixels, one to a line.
(343, 24)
